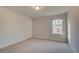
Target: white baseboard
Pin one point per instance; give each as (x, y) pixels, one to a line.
(47, 39)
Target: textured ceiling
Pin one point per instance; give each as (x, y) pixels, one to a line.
(44, 10)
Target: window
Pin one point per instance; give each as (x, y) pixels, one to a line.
(57, 26)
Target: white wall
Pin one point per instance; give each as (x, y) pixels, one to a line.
(42, 27)
(73, 18)
(14, 27)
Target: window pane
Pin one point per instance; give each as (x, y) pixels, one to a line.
(57, 26)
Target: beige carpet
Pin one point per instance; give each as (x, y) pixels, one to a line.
(38, 46)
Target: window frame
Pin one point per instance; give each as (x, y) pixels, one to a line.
(53, 27)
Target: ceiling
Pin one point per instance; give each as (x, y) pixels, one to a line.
(44, 10)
